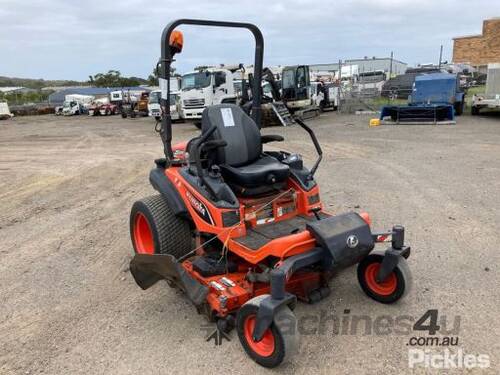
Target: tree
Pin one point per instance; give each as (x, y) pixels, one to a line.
(153, 77)
(113, 78)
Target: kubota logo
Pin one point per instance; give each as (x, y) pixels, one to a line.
(352, 241)
(199, 207)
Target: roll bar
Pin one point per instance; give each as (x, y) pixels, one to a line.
(166, 61)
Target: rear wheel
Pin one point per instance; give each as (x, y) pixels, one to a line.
(393, 288)
(474, 111)
(280, 341)
(155, 229)
(459, 108)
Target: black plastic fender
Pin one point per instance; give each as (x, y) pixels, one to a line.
(279, 297)
(162, 184)
(390, 261)
(267, 310)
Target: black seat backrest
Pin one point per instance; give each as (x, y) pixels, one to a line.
(237, 129)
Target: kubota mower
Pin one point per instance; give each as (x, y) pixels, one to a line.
(242, 231)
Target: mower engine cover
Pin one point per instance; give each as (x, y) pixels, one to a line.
(347, 238)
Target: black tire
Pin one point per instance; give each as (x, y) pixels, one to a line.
(459, 108)
(474, 111)
(197, 124)
(283, 330)
(168, 234)
(124, 115)
(394, 288)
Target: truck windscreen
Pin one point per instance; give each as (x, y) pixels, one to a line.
(195, 80)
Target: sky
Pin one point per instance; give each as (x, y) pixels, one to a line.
(57, 39)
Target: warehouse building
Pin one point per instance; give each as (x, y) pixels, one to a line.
(479, 50)
(366, 64)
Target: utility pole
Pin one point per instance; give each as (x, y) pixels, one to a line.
(390, 66)
(340, 86)
(440, 56)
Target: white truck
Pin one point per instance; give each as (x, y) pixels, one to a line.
(206, 87)
(154, 109)
(75, 104)
(325, 95)
(5, 111)
(491, 98)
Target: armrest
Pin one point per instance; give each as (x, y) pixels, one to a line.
(271, 138)
(216, 143)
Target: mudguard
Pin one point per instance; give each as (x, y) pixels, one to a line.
(162, 184)
(390, 261)
(346, 238)
(148, 269)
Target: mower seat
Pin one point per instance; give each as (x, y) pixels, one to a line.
(242, 162)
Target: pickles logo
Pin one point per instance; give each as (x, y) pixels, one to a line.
(200, 208)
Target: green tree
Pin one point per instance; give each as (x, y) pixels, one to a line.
(153, 77)
(113, 78)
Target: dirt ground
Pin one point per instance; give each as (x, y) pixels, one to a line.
(70, 306)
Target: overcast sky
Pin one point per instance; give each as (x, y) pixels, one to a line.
(57, 39)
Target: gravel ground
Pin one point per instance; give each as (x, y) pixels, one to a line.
(70, 306)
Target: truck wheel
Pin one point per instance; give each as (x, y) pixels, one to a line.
(393, 288)
(280, 341)
(474, 111)
(154, 229)
(459, 109)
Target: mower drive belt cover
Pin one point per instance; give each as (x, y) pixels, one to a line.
(148, 269)
(347, 238)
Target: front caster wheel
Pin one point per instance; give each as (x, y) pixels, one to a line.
(394, 287)
(280, 341)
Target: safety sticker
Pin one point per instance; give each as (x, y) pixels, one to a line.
(227, 117)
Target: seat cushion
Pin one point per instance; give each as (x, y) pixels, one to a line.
(264, 170)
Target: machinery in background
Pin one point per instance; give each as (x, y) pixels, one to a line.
(154, 107)
(370, 83)
(326, 95)
(5, 111)
(291, 97)
(206, 87)
(491, 98)
(435, 99)
(135, 104)
(75, 104)
(102, 107)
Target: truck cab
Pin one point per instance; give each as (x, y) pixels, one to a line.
(71, 107)
(154, 107)
(206, 87)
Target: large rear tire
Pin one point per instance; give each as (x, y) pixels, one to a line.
(280, 341)
(154, 229)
